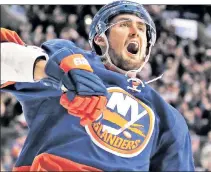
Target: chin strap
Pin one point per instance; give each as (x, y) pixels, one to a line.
(107, 59)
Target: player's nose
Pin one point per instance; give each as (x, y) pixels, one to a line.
(133, 32)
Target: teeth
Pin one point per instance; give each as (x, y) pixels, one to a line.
(134, 43)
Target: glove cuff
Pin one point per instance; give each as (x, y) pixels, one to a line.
(75, 61)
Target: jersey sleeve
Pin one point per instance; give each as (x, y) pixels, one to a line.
(9, 36)
(174, 152)
(172, 146)
(34, 90)
(17, 59)
(61, 48)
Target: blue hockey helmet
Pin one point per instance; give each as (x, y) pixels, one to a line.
(100, 21)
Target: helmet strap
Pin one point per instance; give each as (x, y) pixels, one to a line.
(107, 59)
(108, 63)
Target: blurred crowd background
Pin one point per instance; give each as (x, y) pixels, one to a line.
(182, 53)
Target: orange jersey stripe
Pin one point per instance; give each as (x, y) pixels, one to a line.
(10, 36)
(49, 162)
(7, 83)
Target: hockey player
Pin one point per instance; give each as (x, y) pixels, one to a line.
(138, 130)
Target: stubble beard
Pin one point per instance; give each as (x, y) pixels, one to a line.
(124, 64)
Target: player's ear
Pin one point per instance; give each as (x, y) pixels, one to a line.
(99, 40)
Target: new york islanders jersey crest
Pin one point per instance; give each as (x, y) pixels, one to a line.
(126, 127)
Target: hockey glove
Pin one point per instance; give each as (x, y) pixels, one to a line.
(85, 97)
(73, 73)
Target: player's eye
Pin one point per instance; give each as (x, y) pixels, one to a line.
(141, 28)
(124, 24)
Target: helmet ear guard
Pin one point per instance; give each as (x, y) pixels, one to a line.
(97, 48)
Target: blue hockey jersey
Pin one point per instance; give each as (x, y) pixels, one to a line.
(139, 130)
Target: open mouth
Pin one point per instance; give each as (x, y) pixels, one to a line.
(133, 48)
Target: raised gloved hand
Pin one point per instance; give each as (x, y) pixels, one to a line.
(85, 93)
